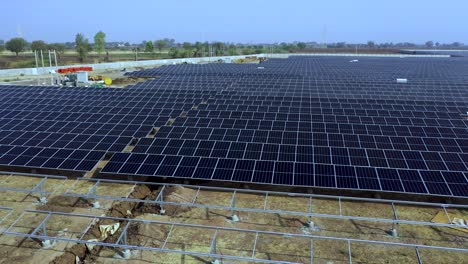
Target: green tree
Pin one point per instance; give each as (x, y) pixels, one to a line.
(82, 46)
(285, 46)
(206, 47)
(188, 50)
(198, 49)
(371, 44)
(187, 45)
(258, 49)
(174, 52)
(100, 42)
(38, 45)
(170, 42)
(247, 51)
(232, 50)
(341, 45)
(430, 44)
(161, 44)
(149, 46)
(219, 48)
(59, 47)
(301, 45)
(16, 45)
(2, 48)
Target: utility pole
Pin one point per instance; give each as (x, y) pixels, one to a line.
(37, 66)
(210, 51)
(325, 35)
(50, 71)
(42, 59)
(56, 67)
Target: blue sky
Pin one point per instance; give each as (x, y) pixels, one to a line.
(238, 21)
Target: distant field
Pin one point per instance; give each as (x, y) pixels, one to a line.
(73, 52)
(9, 60)
(350, 50)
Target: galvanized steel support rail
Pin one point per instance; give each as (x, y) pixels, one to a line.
(212, 251)
(39, 188)
(3, 218)
(395, 221)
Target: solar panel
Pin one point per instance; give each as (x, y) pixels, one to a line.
(303, 121)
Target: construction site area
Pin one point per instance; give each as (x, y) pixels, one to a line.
(306, 159)
(58, 220)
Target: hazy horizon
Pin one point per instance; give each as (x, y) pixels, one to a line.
(240, 22)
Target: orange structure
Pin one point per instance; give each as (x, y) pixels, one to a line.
(74, 69)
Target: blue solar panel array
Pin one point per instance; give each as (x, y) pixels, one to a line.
(73, 128)
(321, 122)
(303, 121)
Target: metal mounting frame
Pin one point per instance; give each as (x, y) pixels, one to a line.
(9, 210)
(40, 231)
(310, 214)
(37, 189)
(122, 243)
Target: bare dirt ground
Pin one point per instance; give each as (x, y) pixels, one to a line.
(14, 249)
(26, 59)
(117, 76)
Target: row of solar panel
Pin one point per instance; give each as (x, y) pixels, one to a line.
(353, 115)
(150, 107)
(46, 110)
(358, 96)
(242, 105)
(359, 155)
(239, 90)
(86, 129)
(327, 138)
(338, 103)
(159, 94)
(331, 75)
(26, 118)
(288, 173)
(105, 99)
(321, 115)
(320, 66)
(226, 95)
(207, 116)
(196, 116)
(63, 140)
(264, 106)
(391, 129)
(49, 158)
(67, 93)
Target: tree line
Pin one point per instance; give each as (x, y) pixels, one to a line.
(18, 45)
(82, 46)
